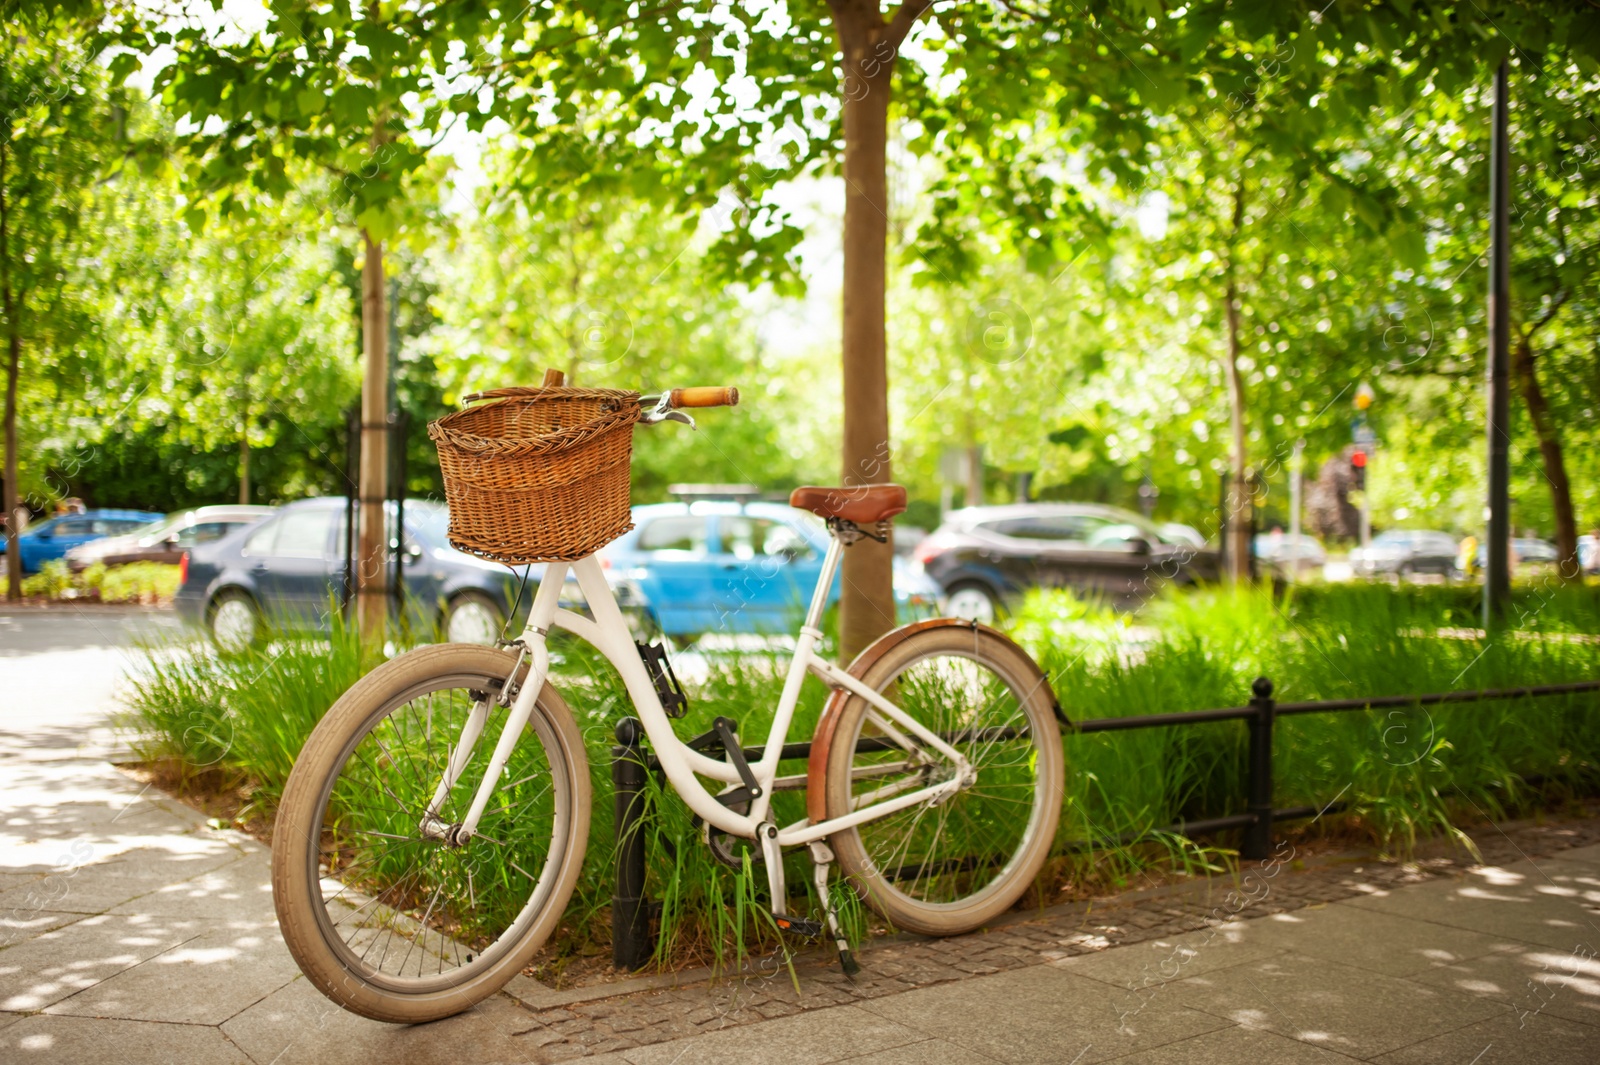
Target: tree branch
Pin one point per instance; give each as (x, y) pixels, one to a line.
(905, 16)
(1545, 319)
(522, 57)
(1022, 12)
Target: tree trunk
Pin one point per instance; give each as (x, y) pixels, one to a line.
(574, 291)
(1555, 466)
(12, 499)
(372, 585)
(866, 605)
(974, 475)
(13, 371)
(244, 466)
(1239, 502)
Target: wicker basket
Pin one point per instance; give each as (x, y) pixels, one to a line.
(537, 474)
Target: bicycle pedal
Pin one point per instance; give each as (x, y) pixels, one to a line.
(800, 926)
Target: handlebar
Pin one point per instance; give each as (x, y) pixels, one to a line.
(703, 397)
(666, 406)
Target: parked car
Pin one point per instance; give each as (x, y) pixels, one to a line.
(1283, 552)
(986, 557)
(719, 566)
(1589, 553)
(165, 540)
(1529, 551)
(285, 571)
(46, 540)
(1404, 552)
(1178, 533)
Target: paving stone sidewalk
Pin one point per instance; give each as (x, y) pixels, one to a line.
(132, 932)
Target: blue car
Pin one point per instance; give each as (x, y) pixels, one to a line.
(726, 567)
(286, 570)
(51, 539)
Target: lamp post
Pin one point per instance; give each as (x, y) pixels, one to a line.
(1297, 464)
(1496, 548)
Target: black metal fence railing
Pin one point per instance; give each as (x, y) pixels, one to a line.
(631, 939)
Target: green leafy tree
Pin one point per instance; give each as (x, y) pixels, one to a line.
(58, 136)
(1556, 280)
(254, 339)
(331, 85)
(606, 291)
(1442, 150)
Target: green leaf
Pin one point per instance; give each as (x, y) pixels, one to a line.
(1161, 88)
(121, 65)
(353, 107)
(311, 102)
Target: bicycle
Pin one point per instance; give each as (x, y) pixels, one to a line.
(417, 867)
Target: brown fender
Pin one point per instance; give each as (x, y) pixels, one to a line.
(822, 739)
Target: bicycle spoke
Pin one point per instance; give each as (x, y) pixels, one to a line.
(947, 849)
(383, 882)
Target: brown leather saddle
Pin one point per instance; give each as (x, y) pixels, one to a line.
(863, 504)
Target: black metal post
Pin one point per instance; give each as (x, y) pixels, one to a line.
(352, 464)
(1258, 835)
(1497, 551)
(630, 916)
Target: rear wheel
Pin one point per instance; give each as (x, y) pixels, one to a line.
(948, 867)
(386, 910)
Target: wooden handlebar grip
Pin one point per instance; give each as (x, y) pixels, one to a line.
(704, 397)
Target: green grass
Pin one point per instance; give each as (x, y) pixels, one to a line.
(1404, 776)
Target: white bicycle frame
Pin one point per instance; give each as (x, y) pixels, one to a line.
(609, 633)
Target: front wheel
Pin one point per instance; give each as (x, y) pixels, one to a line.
(386, 911)
(942, 868)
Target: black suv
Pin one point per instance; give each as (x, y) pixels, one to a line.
(985, 557)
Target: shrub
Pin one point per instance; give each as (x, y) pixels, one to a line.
(136, 582)
(53, 581)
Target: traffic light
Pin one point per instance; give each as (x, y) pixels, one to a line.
(1358, 467)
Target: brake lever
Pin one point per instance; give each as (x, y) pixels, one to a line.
(665, 412)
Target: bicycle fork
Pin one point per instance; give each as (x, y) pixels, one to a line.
(531, 644)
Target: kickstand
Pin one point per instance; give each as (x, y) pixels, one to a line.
(821, 861)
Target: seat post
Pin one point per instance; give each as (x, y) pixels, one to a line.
(819, 595)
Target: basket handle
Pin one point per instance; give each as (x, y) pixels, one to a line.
(502, 393)
(553, 378)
